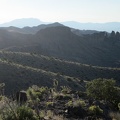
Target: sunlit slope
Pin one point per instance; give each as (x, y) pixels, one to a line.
(98, 49)
(17, 76)
(24, 69)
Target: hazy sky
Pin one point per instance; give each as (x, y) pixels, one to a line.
(61, 10)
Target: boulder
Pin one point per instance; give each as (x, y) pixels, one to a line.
(21, 96)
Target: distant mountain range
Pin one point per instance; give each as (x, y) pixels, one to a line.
(109, 26)
(30, 22)
(30, 30)
(24, 22)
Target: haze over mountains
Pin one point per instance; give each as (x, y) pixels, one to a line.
(39, 54)
(109, 26)
(24, 22)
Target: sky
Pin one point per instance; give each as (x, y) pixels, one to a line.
(96, 11)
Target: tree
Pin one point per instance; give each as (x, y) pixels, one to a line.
(103, 89)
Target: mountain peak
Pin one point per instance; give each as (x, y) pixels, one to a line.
(23, 22)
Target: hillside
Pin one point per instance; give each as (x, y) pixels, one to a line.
(56, 52)
(99, 49)
(25, 69)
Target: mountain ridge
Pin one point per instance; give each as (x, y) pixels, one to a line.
(60, 41)
(23, 22)
(56, 52)
(30, 22)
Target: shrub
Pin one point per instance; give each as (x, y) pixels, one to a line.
(63, 96)
(16, 112)
(76, 103)
(69, 103)
(24, 113)
(49, 104)
(103, 89)
(80, 103)
(96, 110)
(1, 97)
(35, 92)
(65, 89)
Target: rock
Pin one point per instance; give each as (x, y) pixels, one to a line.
(21, 96)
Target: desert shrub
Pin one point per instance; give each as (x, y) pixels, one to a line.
(80, 103)
(36, 92)
(96, 110)
(69, 103)
(31, 94)
(65, 89)
(25, 113)
(46, 115)
(103, 89)
(1, 97)
(12, 111)
(49, 104)
(76, 103)
(62, 96)
(49, 114)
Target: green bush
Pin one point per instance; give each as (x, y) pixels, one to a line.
(80, 103)
(25, 113)
(18, 113)
(103, 89)
(49, 104)
(96, 110)
(69, 103)
(76, 103)
(63, 96)
(65, 89)
(35, 92)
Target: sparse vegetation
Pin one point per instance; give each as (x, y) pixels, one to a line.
(95, 110)
(53, 103)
